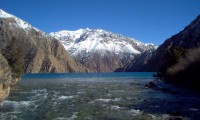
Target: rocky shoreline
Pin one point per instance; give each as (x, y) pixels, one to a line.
(6, 79)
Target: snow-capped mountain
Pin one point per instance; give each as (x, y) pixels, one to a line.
(83, 44)
(19, 22)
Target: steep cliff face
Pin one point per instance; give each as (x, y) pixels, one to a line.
(38, 52)
(138, 64)
(98, 63)
(189, 38)
(6, 80)
(173, 47)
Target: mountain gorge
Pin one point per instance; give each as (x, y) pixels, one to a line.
(100, 50)
(26, 49)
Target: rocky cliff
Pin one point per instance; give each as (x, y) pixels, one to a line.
(6, 79)
(174, 47)
(189, 38)
(25, 49)
(30, 49)
(139, 63)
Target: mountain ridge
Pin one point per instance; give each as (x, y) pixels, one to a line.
(37, 45)
(21, 23)
(84, 44)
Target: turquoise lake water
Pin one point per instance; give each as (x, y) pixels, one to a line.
(67, 76)
(98, 96)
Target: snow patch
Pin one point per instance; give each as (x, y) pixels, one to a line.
(3, 14)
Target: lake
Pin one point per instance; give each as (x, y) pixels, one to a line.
(98, 96)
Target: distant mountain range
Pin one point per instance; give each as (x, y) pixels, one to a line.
(100, 50)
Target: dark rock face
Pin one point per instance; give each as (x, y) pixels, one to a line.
(177, 59)
(185, 71)
(41, 53)
(103, 63)
(189, 38)
(98, 63)
(138, 64)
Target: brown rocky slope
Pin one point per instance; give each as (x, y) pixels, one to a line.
(29, 50)
(40, 53)
(6, 79)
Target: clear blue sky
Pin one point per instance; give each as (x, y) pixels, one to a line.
(150, 21)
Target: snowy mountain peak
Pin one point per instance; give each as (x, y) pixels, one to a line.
(65, 34)
(90, 33)
(19, 23)
(87, 41)
(100, 50)
(4, 14)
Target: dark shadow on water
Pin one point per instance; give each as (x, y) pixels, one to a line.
(179, 102)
